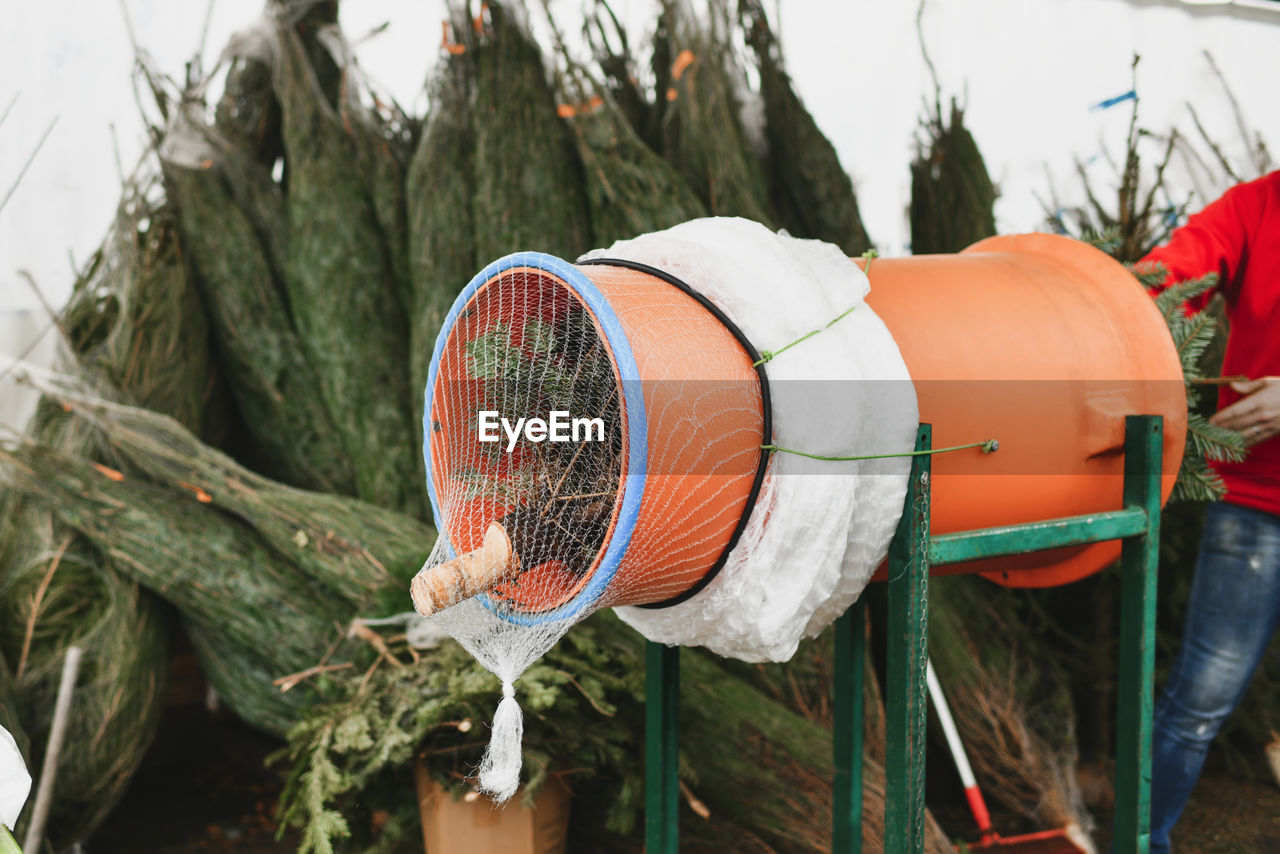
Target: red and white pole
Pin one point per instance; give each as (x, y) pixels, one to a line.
(977, 805)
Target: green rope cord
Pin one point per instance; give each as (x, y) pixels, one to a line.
(988, 447)
(767, 355)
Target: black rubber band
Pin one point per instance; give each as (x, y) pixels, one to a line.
(767, 425)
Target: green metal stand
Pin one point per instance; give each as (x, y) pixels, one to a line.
(1139, 559)
(661, 751)
(911, 555)
(846, 788)
(906, 661)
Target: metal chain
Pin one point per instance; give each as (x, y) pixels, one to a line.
(922, 658)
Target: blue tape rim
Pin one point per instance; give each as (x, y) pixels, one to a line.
(637, 425)
(766, 402)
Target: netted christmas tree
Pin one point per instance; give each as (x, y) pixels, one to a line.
(952, 197)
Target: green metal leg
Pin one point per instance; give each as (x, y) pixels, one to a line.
(1138, 563)
(906, 661)
(661, 763)
(907, 656)
(851, 655)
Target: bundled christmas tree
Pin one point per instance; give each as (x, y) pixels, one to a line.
(810, 190)
(240, 432)
(133, 323)
(952, 197)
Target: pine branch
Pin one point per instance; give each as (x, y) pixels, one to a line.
(1171, 300)
(1212, 442)
(1213, 146)
(1149, 277)
(1191, 336)
(1144, 216)
(1108, 240)
(1105, 220)
(1197, 482)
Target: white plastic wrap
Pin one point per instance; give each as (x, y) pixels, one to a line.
(15, 781)
(819, 529)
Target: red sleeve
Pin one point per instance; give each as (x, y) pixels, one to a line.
(1215, 240)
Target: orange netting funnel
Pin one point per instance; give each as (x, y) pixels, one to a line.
(1047, 344)
(593, 437)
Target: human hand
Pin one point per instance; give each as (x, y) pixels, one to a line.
(1256, 416)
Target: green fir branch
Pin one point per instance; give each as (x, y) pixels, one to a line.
(1211, 442)
(1171, 300)
(1191, 336)
(1197, 481)
(580, 703)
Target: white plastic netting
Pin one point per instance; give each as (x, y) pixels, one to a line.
(594, 437)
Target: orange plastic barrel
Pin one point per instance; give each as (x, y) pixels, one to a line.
(1045, 344)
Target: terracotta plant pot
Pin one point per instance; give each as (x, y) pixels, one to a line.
(476, 826)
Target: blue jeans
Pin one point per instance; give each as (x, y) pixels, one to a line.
(1232, 614)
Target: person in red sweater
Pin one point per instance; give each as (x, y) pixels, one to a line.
(1234, 608)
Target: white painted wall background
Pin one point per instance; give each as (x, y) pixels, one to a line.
(1031, 70)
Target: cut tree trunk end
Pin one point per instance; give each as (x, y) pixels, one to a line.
(475, 572)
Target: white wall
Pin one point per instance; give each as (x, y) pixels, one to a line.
(1031, 69)
(25, 335)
